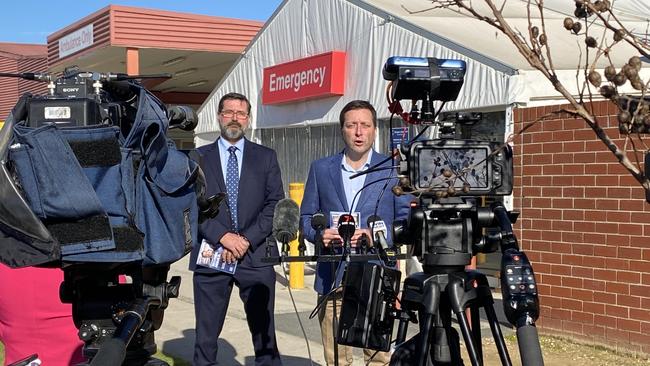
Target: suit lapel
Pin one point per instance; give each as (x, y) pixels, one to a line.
(337, 179)
(213, 162)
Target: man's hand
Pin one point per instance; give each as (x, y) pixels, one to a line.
(357, 235)
(236, 244)
(228, 256)
(330, 235)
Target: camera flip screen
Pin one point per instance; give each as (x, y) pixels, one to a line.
(453, 167)
(471, 168)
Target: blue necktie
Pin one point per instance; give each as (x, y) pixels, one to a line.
(232, 185)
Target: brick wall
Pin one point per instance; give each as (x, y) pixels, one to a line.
(586, 227)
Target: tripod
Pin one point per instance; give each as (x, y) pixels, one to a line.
(449, 234)
(435, 297)
(117, 320)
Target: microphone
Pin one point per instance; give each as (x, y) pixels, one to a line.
(346, 227)
(318, 223)
(183, 117)
(378, 227)
(363, 243)
(285, 221)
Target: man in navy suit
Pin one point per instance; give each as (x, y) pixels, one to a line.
(329, 189)
(249, 173)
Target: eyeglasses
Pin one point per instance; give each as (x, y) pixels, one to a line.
(230, 114)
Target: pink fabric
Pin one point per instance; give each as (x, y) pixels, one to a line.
(33, 319)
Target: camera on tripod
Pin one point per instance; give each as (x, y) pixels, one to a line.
(445, 228)
(93, 184)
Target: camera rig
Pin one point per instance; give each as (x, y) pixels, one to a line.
(444, 229)
(92, 184)
(447, 227)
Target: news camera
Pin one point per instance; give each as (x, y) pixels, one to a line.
(91, 183)
(445, 228)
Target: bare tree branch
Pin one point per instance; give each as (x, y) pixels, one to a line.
(537, 52)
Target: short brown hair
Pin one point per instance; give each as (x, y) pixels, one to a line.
(235, 96)
(358, 104)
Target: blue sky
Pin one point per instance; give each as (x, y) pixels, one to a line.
(31, 21)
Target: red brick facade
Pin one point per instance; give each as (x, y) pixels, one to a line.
(586, 227)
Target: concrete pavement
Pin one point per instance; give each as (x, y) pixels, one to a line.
(176, 336)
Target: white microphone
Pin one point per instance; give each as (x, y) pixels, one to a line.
(378, 227)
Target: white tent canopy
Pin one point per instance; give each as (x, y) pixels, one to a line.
(371, 31)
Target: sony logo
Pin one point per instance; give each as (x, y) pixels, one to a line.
(70, 90)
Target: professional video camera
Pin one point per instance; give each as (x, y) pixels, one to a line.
(445, 228)
(91, 183)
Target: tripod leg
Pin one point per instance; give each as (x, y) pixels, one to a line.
(469, 339)
(431, 302)
(498, 336)
(462, 294)
(476, 330)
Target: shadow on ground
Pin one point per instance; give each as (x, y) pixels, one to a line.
(183, 347)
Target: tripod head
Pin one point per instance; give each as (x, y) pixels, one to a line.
(446, 232)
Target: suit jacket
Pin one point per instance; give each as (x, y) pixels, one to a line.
(260, 188)
(324, 192)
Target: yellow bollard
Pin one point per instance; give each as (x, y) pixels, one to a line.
(296, 269)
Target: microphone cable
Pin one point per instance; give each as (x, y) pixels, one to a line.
(295, 309)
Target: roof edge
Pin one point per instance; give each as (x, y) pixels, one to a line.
(479, 57)
(186, 14)
(86, 19)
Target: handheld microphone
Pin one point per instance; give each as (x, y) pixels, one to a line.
(285, 222)
(378, 227)
(346, 227)
(318, 223)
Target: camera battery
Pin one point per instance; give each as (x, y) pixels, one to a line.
(64, 112)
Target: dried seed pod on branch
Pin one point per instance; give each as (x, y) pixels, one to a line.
(600, 45)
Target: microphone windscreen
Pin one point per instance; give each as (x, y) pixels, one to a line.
(371, 219)
(318, 221)
(346, 226)
(286, 218)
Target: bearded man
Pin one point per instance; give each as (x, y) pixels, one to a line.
(250, 175)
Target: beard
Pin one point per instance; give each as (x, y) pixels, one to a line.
(232, 131)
